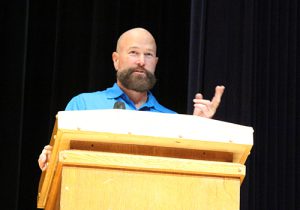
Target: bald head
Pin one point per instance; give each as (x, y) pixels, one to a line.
(136, 36)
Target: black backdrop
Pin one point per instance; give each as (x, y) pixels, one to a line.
(54, 50)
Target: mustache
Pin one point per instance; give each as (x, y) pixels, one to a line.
(138, 69)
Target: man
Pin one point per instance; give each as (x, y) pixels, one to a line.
(135, 62)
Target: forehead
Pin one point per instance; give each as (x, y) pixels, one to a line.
(136, 40)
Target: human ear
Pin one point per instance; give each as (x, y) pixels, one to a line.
(115, 58)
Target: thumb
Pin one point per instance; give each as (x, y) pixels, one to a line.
(218, 95)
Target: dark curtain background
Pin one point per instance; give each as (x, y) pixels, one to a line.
(54, 50)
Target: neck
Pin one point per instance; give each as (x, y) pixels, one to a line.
(138, 98)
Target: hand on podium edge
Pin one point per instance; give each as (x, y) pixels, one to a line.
(45, 157)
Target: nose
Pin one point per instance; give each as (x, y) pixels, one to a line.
(141, 60)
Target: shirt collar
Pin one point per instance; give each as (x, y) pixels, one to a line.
(114, 92)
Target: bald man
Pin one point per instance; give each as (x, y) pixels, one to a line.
(135, 62)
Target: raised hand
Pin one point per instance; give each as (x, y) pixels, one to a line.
(207, 108)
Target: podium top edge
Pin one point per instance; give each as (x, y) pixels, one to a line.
(155, 124)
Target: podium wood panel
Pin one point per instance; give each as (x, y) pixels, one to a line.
(97, 180)
(70, 139)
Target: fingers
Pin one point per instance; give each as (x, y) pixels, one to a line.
(45, 157)
(48, 147)
(42, 162)
(207, 108)
(203, 109)
(200, 105)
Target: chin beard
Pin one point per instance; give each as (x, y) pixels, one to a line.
(139, 83)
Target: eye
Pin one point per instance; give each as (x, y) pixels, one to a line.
(149, 54)
(133, 52)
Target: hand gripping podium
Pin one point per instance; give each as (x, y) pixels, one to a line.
(133, 160)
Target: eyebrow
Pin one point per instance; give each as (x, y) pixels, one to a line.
(148, 49)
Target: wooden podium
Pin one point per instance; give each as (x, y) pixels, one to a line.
(129, 160)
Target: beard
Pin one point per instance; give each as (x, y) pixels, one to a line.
(139, 82)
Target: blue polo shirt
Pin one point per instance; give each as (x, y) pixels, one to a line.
(106, 99)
